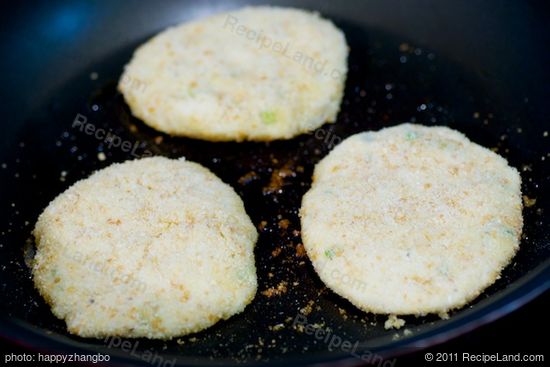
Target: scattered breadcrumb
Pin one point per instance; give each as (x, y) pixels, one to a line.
(393, 322)
(306, 310)
(276, 291)
(278, 176)
(262, 225)
(277, 327)
(343, 313)
(248, 178)
(528, 202)
(276, 252)
(404, 47)
(284, 223)
(300, 250)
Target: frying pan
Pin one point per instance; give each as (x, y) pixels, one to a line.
(478, 67)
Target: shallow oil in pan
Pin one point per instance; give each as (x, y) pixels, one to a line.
(390, 81)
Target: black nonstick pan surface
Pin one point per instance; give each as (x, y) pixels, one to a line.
(479, 67)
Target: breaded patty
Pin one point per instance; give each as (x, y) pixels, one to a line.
(150, 248)
(259, 73)
(411, 219)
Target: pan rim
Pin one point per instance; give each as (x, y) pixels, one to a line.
(514, 296)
